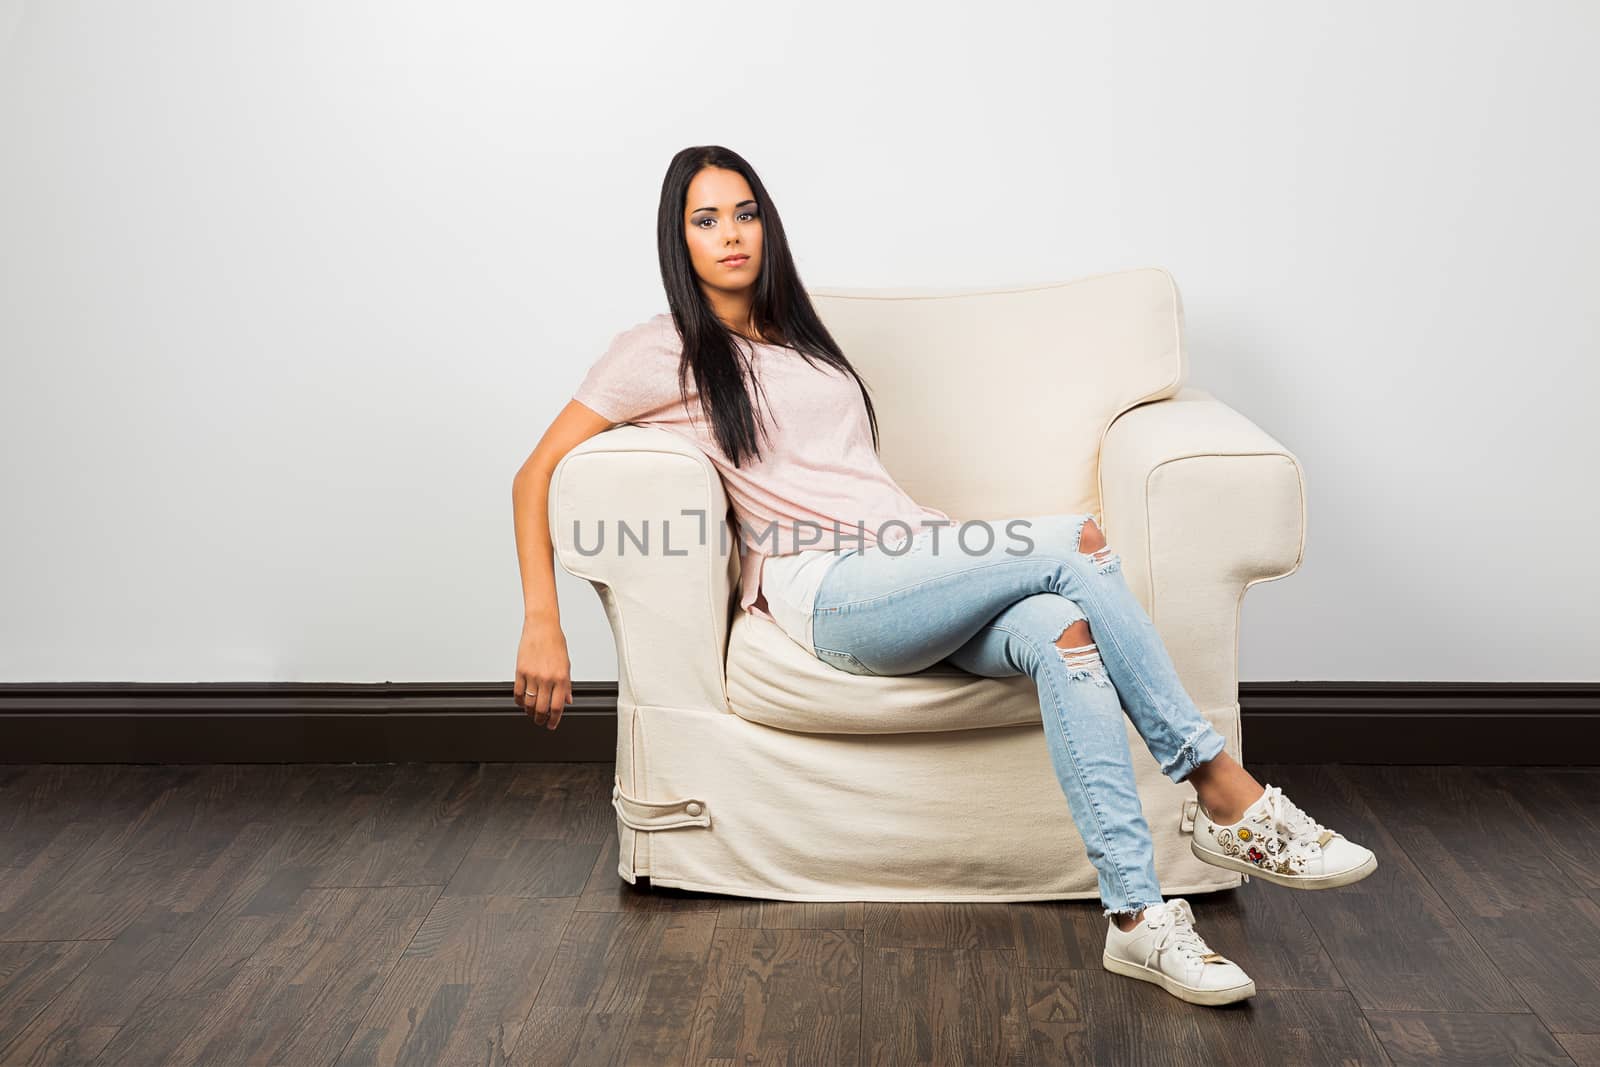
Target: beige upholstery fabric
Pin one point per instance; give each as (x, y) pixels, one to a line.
(746, 766)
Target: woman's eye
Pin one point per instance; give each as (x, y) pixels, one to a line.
(710, 218)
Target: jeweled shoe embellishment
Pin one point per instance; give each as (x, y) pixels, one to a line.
(1280, 842)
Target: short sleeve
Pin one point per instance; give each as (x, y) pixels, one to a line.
(637, 376)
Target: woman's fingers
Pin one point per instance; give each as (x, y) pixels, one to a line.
(560, 695)
(543, 698)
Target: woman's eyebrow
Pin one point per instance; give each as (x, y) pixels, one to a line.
(741, 203)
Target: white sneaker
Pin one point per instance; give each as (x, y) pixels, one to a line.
(1277, 841)
(1165, 949)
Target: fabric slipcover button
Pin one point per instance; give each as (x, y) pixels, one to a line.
(693, 807)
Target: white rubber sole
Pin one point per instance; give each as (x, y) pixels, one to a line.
(1209, 997)
(1294, 881)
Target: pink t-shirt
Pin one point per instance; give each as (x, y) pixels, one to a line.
(818, 471)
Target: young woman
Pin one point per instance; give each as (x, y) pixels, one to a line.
(867, 580)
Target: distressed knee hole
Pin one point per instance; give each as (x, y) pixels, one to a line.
(1092, 543)
(1090, 539)
(1075, 634)
(1083, 661)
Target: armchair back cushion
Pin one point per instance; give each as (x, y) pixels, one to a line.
(993, 403)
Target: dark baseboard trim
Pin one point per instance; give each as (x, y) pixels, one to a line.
(1470, 723)
(1528, 724)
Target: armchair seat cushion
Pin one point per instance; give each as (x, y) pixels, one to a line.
(775, 682)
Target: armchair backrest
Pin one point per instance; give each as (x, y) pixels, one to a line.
(993, 402)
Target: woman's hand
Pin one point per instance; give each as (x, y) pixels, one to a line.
(544, 674)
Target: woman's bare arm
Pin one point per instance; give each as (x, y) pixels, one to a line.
(543, 672)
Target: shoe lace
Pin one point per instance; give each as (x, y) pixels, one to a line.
(1174, 928)
(1304, 833)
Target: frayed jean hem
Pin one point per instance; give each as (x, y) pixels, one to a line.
(1131, 909)
(1202, 746)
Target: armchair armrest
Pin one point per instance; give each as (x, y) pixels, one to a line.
(641, 513)
(1201, 504)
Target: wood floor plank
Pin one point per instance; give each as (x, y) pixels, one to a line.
(34, 974)
(1464, 1039)
(567, 800)
(283, 986)
(969, 925)
(1562, 812)
(1060, 934)
(75, 1026)
(1095, 1017)
(1472, 842)
(182, 840)
(298, 819)
(658, 1031)
(942, 1005)
(1583, 1048)
(622, 988)
(463, 987)
(1082, 1016)
(751, 914)
(1397, 944)
(1280, 1027)
(540, 835)
(43, 797)
(779, 995)
(420, 828)
(60, 828)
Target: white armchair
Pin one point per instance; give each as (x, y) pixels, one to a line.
(746, 766)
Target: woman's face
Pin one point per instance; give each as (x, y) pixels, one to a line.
(722, 219)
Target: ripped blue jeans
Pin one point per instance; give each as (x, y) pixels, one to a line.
(992, 598)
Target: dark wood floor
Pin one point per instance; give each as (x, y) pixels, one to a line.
(447, 914)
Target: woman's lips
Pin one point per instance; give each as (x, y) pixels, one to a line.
(736, 261)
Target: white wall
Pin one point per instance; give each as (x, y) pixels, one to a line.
(288, 291)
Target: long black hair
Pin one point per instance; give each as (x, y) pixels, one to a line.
(781, 309)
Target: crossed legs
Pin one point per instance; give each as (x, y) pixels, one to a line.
(1221, 784)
